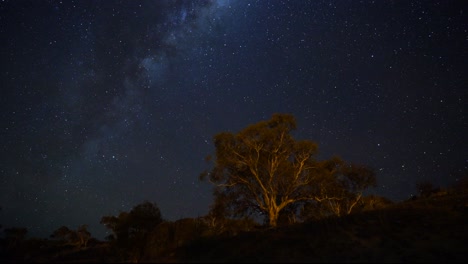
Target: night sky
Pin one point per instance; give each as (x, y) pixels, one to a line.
(106, 104)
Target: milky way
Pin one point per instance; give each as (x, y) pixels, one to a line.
(106, 104)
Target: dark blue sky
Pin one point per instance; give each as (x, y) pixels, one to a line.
(105, 104)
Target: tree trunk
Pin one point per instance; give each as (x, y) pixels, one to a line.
(273, 217)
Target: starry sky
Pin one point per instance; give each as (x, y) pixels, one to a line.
(105, 104)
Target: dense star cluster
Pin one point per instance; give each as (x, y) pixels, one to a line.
(105, 104)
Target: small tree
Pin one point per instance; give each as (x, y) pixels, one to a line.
(83, 236)
(14, 236)
(264, 169)
(349, 185)
(130, 230)
(118, 225)
(461, 185)
(78, 238)
(62, 233)
(425, 188)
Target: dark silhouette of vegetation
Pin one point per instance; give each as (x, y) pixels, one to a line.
(315, 211)
(461, 185)
(426, 188)
(263, 169)
(130, 230)
(78, 238)
(424, 229)
(14, 236)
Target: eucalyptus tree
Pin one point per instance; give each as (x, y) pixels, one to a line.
(264, 169)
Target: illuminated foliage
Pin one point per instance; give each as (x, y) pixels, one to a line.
(264, 169)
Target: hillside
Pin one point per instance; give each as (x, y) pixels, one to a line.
(432, 229)
(426, 230)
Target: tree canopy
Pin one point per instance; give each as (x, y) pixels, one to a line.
(130, 229)
(141, 219)
(264, 169)
(80, 237)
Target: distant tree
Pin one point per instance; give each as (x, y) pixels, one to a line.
(78, 238)
(350, 183)
(62, 233)
(119, 225)
(130, 229)
(83, 235)
(14, 236)
(461, 184)
(264, 169)
(425, 188)
(144, 217)
(345, 191)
